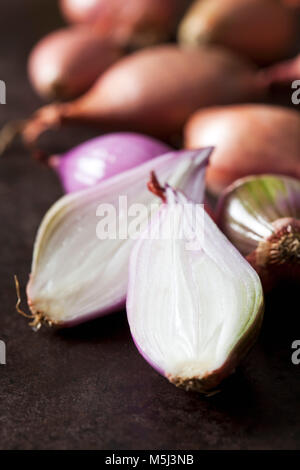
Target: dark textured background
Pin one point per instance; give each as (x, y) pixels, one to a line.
(88, 388)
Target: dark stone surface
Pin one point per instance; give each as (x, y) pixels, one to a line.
(88, 388)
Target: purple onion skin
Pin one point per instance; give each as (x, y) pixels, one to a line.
(103, 157)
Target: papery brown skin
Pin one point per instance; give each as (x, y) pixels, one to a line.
(278, 257)
(134, 22)
(142, 93)
(67, 62)
(249, 139)
(263, 30)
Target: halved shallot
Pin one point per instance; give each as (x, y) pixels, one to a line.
(81, 253)
(194, 305)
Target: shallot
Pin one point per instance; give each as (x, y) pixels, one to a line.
(103, 157)
(81, 253)
(154, 91)
(249, 139)
(194, 304)
(261, 217)
(263, 30)
(67, 62)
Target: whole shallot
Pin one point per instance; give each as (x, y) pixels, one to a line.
(103, 157)
(261, 217)
(250, 139)
(262, 30)
(67, 62)
(152, 91)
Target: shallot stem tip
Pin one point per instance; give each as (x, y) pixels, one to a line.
(155, 188)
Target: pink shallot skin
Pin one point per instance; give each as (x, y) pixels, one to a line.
(103, 157)
(127, 98)
(274, 132)
(66, 63)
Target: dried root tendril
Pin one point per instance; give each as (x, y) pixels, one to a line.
(37, 319)
(9, 132)
(280, 249)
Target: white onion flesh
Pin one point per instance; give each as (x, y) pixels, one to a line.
(75, 275)
(189, 310)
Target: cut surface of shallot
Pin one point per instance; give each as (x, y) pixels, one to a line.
(194, 304)
(80, 267)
